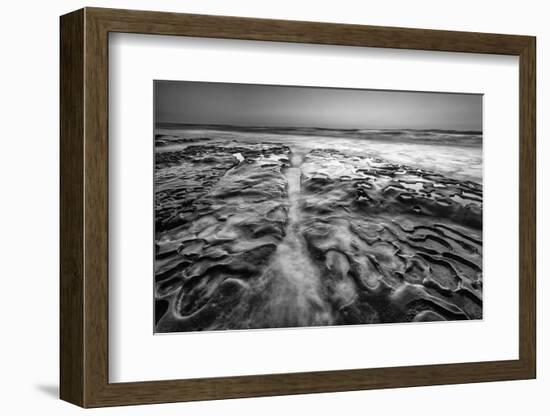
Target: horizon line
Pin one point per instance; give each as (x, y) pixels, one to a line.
(471, 131)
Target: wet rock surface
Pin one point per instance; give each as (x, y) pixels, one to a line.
(264, 235)
(396, 243)
(221, 213)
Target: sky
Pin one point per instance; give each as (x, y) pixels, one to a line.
(272, 105)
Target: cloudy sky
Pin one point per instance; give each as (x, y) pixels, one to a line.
(268, 105)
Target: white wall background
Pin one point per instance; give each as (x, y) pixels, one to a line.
(29, 85)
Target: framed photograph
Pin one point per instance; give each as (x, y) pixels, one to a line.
(257, 207)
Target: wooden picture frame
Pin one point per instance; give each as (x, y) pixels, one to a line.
(84, 207)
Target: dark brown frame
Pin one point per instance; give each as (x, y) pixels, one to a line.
(84, 209)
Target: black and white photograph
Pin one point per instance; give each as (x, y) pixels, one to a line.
(295, 206)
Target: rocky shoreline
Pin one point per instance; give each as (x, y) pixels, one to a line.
(263, 236)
